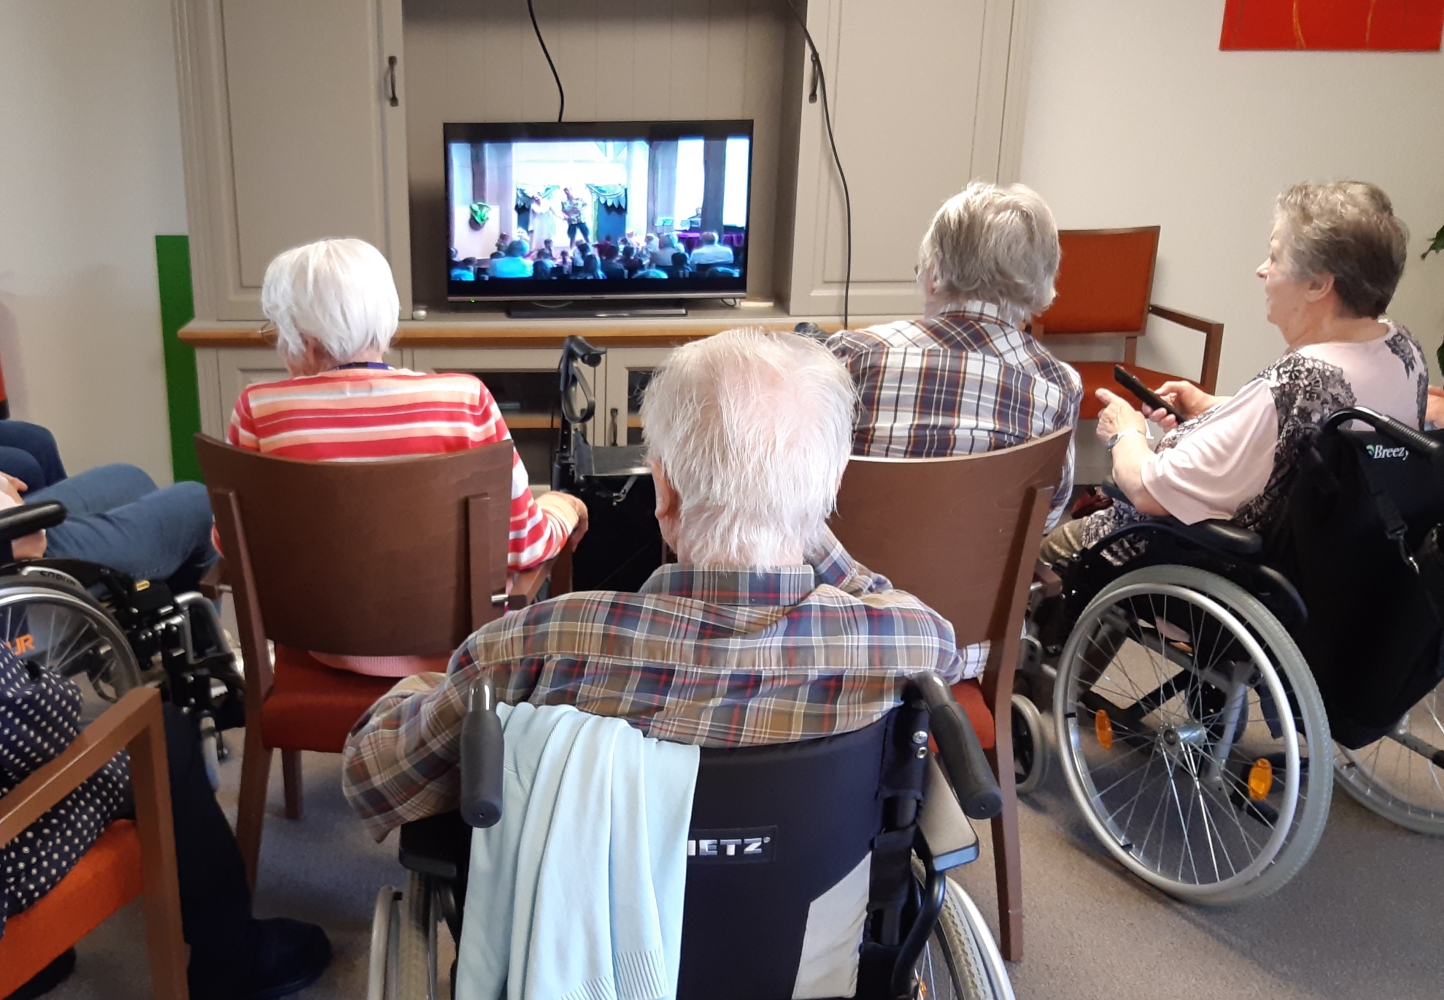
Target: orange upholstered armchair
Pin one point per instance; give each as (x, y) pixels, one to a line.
(394, 558)
(962, 533)
(130, 858)
(1105, 282)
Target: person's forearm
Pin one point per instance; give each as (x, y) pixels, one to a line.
(1129, 454)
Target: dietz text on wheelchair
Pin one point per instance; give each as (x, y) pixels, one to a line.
(1210, 685)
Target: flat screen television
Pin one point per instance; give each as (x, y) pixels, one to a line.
(594, 210)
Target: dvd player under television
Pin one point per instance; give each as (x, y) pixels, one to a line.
(598, 211)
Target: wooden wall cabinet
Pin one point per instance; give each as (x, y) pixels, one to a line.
(288, 135)
(290, 132)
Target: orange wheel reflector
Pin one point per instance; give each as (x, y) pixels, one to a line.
(1260, 780)
(1104, 729)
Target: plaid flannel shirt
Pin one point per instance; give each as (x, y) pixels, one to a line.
(967, 381)
(715, 657)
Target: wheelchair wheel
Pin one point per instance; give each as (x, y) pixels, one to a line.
(1396, 777)
(960, 960)
(1187, 720)
(66, 632)
(1030, 745)
(416, 942)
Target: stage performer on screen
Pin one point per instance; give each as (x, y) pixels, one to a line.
(574, 210)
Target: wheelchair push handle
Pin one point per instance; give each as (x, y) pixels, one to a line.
(482, 753)
(963, 758)
(17, 522)
(1395, 430)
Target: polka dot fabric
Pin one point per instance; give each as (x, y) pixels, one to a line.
(39, 718)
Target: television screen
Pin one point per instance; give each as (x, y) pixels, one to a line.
(598, 209)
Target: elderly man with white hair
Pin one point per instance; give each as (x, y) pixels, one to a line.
(967, 377)
(764, 631)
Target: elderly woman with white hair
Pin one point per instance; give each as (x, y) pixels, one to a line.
(763, 631)
(1336, 254)
(334, 309)
(968, 377)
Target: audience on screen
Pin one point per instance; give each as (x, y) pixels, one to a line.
(711, 251)
(611, 258)
(514, 264)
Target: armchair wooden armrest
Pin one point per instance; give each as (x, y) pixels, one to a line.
(529, 582)
(1051, 582)
(213, 584)
(1212, 341)
(134, 723)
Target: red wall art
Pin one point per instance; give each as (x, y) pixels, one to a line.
(1359, 25)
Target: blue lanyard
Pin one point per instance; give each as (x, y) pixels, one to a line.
(362, 364)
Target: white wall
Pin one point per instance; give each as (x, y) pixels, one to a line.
(1136, 118)
(90, 172)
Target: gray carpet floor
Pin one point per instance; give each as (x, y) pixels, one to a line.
(1360, 921)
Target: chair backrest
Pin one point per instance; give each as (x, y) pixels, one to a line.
(1105, 281)
(382, 558)
(962, 533)
(810, 813)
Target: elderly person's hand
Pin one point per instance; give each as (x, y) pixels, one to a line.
(31, 546)
(1183, 396)
(1117, 423)
(1434, 406)
(1117, 416)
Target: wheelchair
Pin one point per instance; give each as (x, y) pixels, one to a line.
(110, 633)
(1209, 686)
(772, 829)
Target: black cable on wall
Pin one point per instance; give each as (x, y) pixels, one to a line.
(561, 94)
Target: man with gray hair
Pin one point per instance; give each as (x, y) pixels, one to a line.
(967, 377)
(764, 631)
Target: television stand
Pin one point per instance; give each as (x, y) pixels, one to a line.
(595, 310)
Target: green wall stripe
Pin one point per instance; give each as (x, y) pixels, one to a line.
(177, 308)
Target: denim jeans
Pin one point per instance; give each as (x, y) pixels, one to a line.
(118, 518)
(29, 453)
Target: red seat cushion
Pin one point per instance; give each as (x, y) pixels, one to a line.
(1099, 375)
(969, 696)
(312, 706)
(106, 878)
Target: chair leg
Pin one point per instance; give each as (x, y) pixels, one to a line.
(291, 779)
(251, 811)
(1007, 856)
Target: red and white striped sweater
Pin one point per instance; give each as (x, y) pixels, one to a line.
(370, 414)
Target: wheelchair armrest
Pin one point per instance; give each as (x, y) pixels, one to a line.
(947, 835)
(971, 775)
(482, 757)
(438, 845)
(17, 522)
(1220, 535)
(1112, 490)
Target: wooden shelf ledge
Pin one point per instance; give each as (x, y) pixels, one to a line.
(496, 329)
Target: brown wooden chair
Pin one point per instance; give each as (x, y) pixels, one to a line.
(392, 558)
(131, 857)
(1105, 282)
(962, 533)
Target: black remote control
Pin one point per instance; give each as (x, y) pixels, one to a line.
(1129, 381)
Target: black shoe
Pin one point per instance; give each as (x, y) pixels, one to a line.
(47, 978)
(289, 957)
